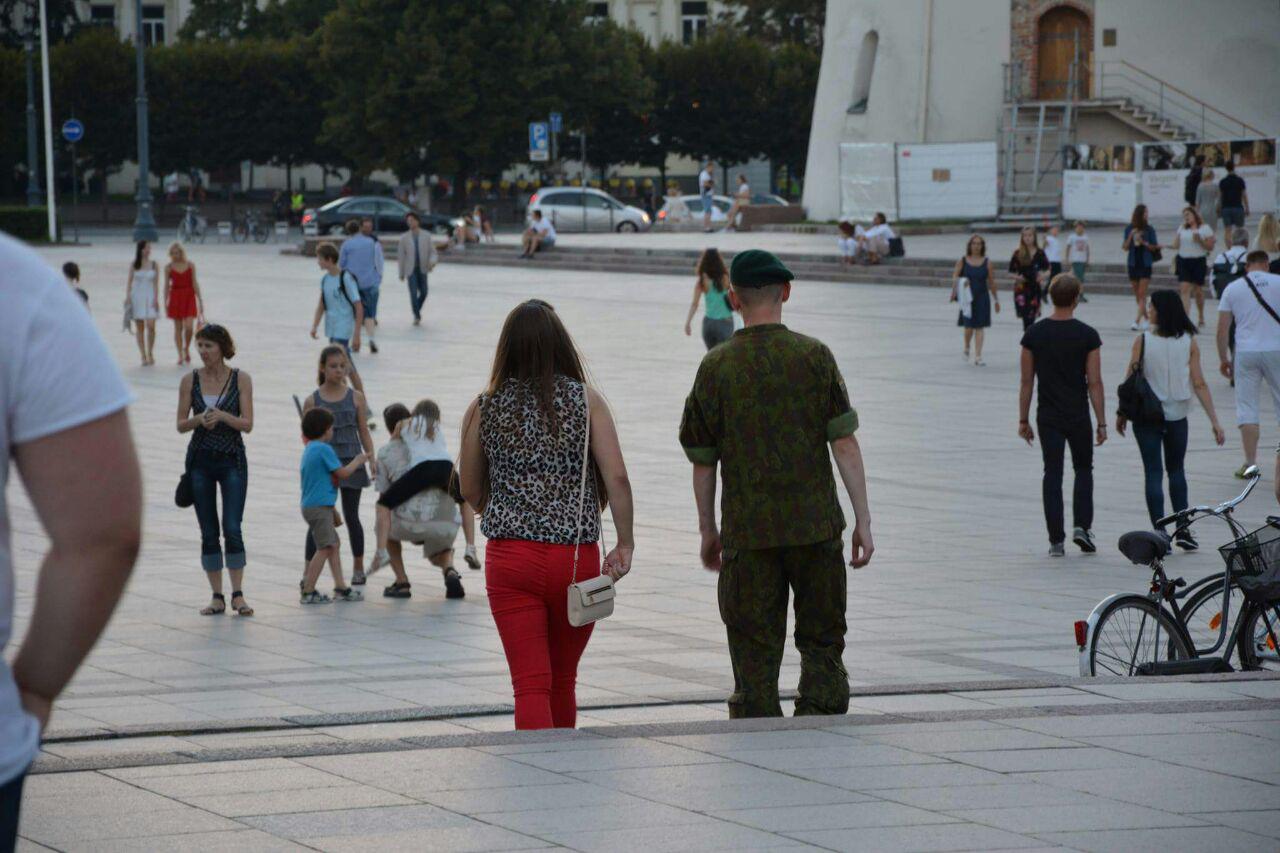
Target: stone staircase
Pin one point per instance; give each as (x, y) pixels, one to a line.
(908, 271)
(1140, 118)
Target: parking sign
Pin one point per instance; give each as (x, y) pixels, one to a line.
(539, 141)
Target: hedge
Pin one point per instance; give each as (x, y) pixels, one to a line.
(25, 223)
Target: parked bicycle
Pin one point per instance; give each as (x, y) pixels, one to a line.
(1168, 630)
(249, 225)
(193, 226)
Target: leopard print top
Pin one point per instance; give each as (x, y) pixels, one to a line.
(535, 475)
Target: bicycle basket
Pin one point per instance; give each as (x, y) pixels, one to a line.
(1254, 562)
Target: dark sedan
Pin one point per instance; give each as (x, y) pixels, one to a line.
(388, 216)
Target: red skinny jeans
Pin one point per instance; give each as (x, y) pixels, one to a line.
(528, 586)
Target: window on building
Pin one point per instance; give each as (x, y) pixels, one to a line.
(152, 25)
(102, 15)
(693, 21)
(862, 73)
(1109, 37)
(597, 12)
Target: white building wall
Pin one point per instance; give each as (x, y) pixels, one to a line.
(1226, 53)
(961, 102)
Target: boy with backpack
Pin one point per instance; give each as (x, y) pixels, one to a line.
(340, 307)
(320, 471)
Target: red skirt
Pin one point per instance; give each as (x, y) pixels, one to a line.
(182, 303)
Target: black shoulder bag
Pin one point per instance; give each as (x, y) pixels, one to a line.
(1138, 403)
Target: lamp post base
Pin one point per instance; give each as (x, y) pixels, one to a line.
(144, 224)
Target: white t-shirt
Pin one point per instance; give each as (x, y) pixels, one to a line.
(422, 447)
(704, 178)
(744, 191)
(55, 374)
(1052, 249)
(1256, 330)
(881, 230)
(1077, 249)
(1188, 247)
(544, 227)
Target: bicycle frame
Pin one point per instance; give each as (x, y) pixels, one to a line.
(1164, 590)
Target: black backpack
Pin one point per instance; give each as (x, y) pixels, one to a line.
(1227, 271)
(342, 288)
(1138, 403)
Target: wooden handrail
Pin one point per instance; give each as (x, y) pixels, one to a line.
(1187, 95)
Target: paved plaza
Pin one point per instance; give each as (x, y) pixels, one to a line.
(383, 724)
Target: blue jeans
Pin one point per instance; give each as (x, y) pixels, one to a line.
(208, 471)
(1171, 437)
(417, 292)
(10, 807)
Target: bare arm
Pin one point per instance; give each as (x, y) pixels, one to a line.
(87, 490)
(1177, 239)
(168, 270)
(351, 467)
(195, 285)
(355, 336)
(186, 424)
(128, 284)
(693, 307)
(474, 467)
(1201, 387)
(1224, 342)
(243, 422)
(607, 452)
(704, 494)
(315, 322)
(992, 286)
(848, 455)
(366, 439)
(1097, 395)
(1025, 388)
(955, 281)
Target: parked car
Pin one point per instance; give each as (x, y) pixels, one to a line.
(388, 216)
(586, 209)
(686, 210)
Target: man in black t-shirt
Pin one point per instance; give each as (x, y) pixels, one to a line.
(1232, 198)
(1062, 355)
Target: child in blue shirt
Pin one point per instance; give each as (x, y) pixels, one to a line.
(320, 471)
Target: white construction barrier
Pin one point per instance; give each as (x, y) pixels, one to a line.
(867, 181)
(947, 181)
(1098, 196)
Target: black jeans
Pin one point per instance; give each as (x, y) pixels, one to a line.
(10, 807)
(350, 517)
(1054, 438)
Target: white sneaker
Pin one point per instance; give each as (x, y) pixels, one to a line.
(469, 555)
(380, 559)
(1133, 327)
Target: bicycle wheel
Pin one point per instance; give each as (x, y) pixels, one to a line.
(1132, 632)
(1202, 613)
(260, 235)
(1259, 642)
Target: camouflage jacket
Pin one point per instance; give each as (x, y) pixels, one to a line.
(764, 406)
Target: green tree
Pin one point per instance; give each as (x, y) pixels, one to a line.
(788, 106)
(13, 121)
(289, 104)
(712, 96)
(62, 16)
(779, 21)
(93, 80)
(217, 19)
(220, 20)
(203, 109)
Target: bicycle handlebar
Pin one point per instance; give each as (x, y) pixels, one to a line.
(1223, 508)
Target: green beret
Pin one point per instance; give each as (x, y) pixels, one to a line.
(757, 268)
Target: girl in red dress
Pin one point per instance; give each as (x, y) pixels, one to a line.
(182, 300)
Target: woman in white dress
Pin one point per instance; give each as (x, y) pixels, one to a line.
(142, 294)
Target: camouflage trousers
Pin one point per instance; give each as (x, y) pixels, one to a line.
(753, 592)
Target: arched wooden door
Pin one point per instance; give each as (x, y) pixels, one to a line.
(1062, 37)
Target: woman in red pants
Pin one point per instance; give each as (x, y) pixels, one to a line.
(521, 467)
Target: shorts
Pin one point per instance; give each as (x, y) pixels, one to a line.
(705, 195)
(848, 246)
(1077, 269)
(1251, 369)
(545, 243)
(370, 299)
(1191, 270)
(1233, 216)
(320, 524)
(1136, 273)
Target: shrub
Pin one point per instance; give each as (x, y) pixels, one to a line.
(25, 223)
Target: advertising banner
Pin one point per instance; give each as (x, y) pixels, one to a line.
(1165, 166)
(1098, 196)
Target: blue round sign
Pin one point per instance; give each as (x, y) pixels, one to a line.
(73, 130)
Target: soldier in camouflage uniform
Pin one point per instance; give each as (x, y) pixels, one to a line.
(764, 407)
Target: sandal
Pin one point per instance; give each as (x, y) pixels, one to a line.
(453, 584)
(397, 590)
(242, 609)
(215, 611)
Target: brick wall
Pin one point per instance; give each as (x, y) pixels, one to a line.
(1024, 23)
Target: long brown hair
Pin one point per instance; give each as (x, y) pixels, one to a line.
(535, 348)
(711, 266)
(1025, 255)
(327, 353)
(1139, 218)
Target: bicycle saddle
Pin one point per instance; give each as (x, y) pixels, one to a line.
(1144, 547)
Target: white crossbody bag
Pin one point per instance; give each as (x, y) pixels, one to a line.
(591, 600)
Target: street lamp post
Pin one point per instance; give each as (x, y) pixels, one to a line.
(144, 224)
(34, 196)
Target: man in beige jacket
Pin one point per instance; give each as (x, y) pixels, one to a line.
(417, 256)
